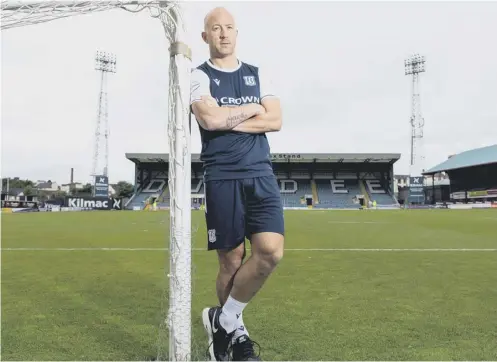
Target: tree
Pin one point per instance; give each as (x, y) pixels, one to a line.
(86, 189)
(16, 183)
(59, 194)
(29, 190)
(124, 189)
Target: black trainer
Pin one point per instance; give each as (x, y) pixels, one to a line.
(243, 349)
(219, 339)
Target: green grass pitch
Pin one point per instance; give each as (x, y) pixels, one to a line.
(341, 302)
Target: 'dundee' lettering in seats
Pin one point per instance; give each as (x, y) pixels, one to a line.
(338, 187)
(374, 187)
(288, 186)
(155, 185)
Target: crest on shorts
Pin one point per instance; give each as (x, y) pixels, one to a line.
(212, 235)
(249, 80)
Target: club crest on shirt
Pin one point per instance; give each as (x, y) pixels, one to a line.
(249, 80)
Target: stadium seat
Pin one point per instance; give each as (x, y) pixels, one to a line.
(293, 192)
(378, 192)
(330, 199)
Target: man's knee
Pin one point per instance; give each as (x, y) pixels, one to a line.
(231, 260)
(268, 249)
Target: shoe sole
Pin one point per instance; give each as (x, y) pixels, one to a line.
(208, 328)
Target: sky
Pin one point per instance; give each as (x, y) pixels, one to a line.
(338, 68)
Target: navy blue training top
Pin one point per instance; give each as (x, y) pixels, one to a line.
(228, 155)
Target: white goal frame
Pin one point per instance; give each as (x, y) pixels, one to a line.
(170, 13)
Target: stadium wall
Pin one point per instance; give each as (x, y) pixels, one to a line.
(68, 203)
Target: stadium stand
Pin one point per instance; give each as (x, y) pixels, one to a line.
(341, 181)
(472, 175)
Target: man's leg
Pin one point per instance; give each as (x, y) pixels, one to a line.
(230, 262)
(267, 251)
(265, 229)
(225, 219)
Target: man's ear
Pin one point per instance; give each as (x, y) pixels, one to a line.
(204, 36)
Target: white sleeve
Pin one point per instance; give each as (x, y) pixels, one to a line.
(266, 85)
(199, 86)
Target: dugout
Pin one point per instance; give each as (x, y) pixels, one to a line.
(472, 175)
(358, 178)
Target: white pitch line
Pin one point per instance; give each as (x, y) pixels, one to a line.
(87, 249)
(357, 222)
(290, 249)
(398, 249)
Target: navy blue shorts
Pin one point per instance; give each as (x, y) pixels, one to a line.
(237, 209)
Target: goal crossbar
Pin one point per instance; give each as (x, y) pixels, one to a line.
(24, 13)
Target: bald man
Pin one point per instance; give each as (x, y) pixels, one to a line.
(234, 106)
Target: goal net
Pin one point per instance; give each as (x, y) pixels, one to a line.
(169, 13)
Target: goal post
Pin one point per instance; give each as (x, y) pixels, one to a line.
(24, 13)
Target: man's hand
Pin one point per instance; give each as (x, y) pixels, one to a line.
(261, 110)
(212, 117)
(209, 101)
(269, 121)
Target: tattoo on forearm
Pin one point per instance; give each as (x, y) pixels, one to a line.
(233, 121)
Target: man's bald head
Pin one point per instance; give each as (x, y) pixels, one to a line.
(220, 32)
(216, 15)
